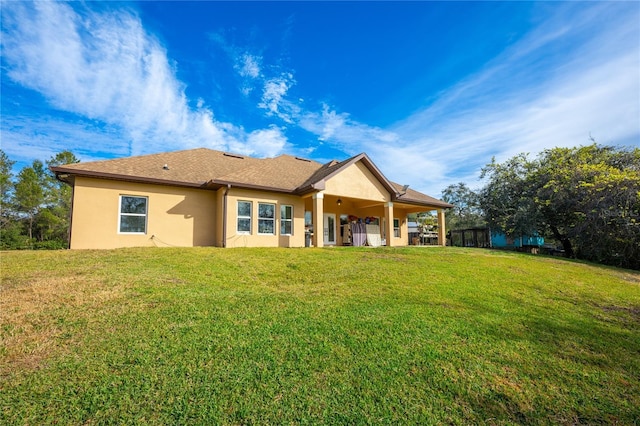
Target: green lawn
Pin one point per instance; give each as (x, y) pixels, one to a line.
(308, 336)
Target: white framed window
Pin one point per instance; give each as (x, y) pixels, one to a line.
(266, 219)
(244, 217)
(133, 214)
(396, 228)
(286, 220)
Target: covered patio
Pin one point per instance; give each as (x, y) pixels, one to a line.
(351, 221)
(344, 200)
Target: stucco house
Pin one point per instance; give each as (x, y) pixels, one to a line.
(203, 197)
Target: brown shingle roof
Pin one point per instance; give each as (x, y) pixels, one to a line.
(204, 167)
(414, 197)
(283, 173)
(192, 167)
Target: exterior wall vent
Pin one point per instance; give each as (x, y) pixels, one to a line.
(228, 154)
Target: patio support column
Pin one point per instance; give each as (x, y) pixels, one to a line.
(318, 219)
(442, 240)
(388, 214)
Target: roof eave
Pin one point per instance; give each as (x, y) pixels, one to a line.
(436, 204)
(314, 187)
(62, 175)
(72, 173)
(214, 183)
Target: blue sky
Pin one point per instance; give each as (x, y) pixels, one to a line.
(429, 90)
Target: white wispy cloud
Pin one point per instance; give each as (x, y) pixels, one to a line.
(338, 128)
(274, 98)
(272, 82)
(574, 75)
(401, 161)
(103, 65)
(591, 88)
(271, 139)
(27, 137)
(248, 65)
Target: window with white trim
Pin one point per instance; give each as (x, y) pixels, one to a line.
(266, 219)
(244, 217)
(133, 215)
(286, 220)
(396, 228)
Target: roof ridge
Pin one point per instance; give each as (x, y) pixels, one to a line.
(293, 157)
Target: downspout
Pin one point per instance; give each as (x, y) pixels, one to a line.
(224, 216)
(73, 193)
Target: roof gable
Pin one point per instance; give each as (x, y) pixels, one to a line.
(356, 180)
(329, 170)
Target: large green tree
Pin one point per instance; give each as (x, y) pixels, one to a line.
(507, 198)
(5, 176)
(35, 206)
(466, 211)
(10, 228)
(587, 198)
(54, 216)
(29, 194)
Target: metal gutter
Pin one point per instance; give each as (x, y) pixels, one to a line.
(119, 177)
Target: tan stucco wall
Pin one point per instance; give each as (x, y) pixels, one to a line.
(358, 182)
(194, 217)
(234, 239)
(176, 216)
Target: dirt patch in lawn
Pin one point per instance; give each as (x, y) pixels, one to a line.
(42, 316)
(629, 316)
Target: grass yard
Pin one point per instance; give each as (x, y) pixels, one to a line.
(309, 336)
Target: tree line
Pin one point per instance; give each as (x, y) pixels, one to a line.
(35, 206)
(586, 199)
